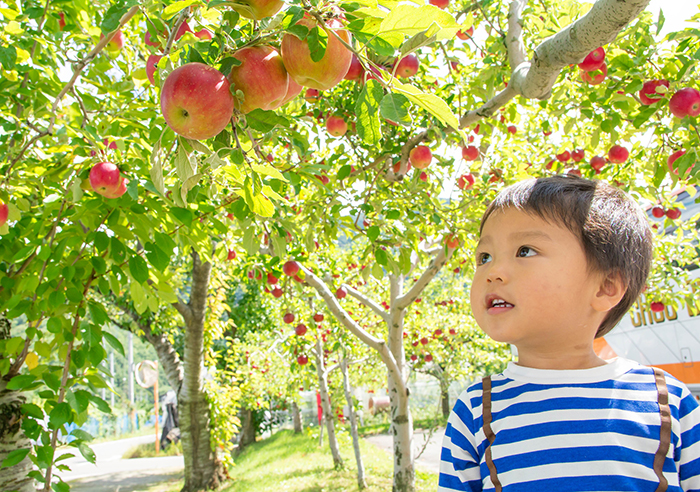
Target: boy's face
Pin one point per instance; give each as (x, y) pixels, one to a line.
(532, 286)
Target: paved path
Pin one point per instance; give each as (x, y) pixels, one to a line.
(429, 460)
(111, 473)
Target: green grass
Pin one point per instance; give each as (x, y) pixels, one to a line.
(149, 451)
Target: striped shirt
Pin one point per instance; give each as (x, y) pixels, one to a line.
(576, 430)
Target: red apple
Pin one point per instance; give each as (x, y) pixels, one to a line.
(465, 181)
(414, 357)
(424, 341)
(420, 157)
(397, 166)
(257, 9)
(423, 176)
(288, 318)
(574, 172)
(184, 27)
(204, 34)
(618, 154)
(231, 255)
(4, 211)
(673, 213)
(512, 129)
(302, 360)
(440, 3)
(312, 95)
(593, 61)
(196, 101)
(151, 67)
(61, 20)
(564, 156)
(407, 66)
(261, 77)
(658, 211)
(318, 317)
(118, 191)
(290, 268)
(271, 279)
(293, 90)
(452, 241)
(336, 126)
(673, 158)
(657, 307)
(355, 70)
(116, 43)
(597, 163)
(685, 102)
(341, 293)
(648, 94)
(578, 155)
(300, 329)
(428, 358)
(104, 177)
(277, 292)
(596, 76)
(325, 73)
(470, 153)
(150, 42)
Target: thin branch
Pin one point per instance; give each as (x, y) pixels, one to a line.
(368, 302)
(434, 267)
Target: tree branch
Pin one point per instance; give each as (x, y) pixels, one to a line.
(434, 267)
(368, 302)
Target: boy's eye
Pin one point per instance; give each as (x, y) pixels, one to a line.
(526, 251)
(482, 258)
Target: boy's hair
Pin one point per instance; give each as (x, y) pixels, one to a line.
(613, 230)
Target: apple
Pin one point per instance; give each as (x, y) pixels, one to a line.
(300, 329)
(440, 3)
(204, 34)
(423, 176)
(597, 75)
(151, 67)
(277, 292)
(288, 318)
(464, 35)
(4, 211)
(407, 66)
(414, 357)
(61, 20)
(673, 158)
(578, 155)
(115, 44)
(424, 341)
(574, 172)
(302, 360)
(397, 166)
(455, 66)
(118, 191)
(184, 27)
(512, 129)
(453, 331)
(104, 177)
(318, 317)
(657, 307)
(330, 69)
(231, 255)
(257, 9)
(428, 358)
(618, 154)
(290, 268)
(470, 153)
(196, 101)
(597, 163)
(341, 293)
(271, 279)
(685, 102)
(658, 211)
(261, 77)
(323, 178)
(593, 61)
(420, 157)
(465, 181)
(110, 145)
(336, 126)
(452, 241)
(355, 70)
(148, 39)
(673, 213)
(564, 156)
(648, 94)
(293, 90)
(312, 95)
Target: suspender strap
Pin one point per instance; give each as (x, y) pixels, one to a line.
(488, 432)
(665, 432)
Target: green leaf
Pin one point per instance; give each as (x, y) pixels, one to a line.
(97, 313)
(138, 268)
(250, 241)
(265, 121)
(318, 42)
(373, 233)
(367, 112)
(32, 410)
(410, 20)
(418, 41)
(395, 107)
(87, 453)
(20, 382)
(8, 57)
(183, 215)
(114, 342)
(344, 172)
(82, 435)
(114, 14)
(176, 7)
(14, 457)
(60, 486)
(156, 171)
(381, 257)
(430, 102)
(268, 171)
(60, 414)
(156, 256)
(118, 251)
(102, 405)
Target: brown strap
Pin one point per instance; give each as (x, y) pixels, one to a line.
(665, 432)
(488, 432)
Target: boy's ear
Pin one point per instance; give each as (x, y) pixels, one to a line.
(611, 291)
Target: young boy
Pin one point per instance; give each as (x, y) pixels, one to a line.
(559, 262)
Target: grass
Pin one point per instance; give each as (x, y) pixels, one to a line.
(148, 450)
(295, 463)
(381, 426)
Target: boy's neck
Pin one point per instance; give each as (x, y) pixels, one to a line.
(559, 361)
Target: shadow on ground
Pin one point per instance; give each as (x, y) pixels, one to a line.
(125, 481)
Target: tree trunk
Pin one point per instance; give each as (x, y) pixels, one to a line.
(12, 478)
(296, 417)
(361, 484)
(202, 468)
(445, 398)
(326, 405)
(248, 430)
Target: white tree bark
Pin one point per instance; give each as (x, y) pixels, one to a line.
(361, 484)
(296, 418)
(326, 405)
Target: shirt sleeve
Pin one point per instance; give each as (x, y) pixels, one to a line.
(459, 459)
(689, 463)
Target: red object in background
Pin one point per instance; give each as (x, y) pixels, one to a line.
(319, 408)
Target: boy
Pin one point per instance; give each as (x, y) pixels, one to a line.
(559, 262)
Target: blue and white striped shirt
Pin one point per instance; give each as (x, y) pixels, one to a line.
(576, 430)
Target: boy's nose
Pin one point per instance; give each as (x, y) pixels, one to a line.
(495, 273)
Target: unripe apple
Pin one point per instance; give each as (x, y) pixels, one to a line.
(204, 34)
(341, 293)
(318, 317)
(151, 68)
(470, 153)
(196, 101)
(290, 268)
(336, 126)
(673, 213)
(597, 163)
(593, 61)
(355, 70)
(104, 177)
(329, 70)
(4, 212)
(407, 66)
(440, 3)
(618, 154)
(116, 43)
(420, 156)
(595, 77)
(564, 156)
(465, 181)
(302, 360)
(261, 77)
(578, 155)
(685, 102)
(277, 292)
(657, 307)
(673, 158)
(648, 95)
(658, 211)
(288, 318)
(257, 9)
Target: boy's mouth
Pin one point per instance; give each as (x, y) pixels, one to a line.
(495, 303)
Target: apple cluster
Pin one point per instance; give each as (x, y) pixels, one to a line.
(593, 67)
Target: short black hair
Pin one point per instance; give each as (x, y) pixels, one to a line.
(613, 230)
